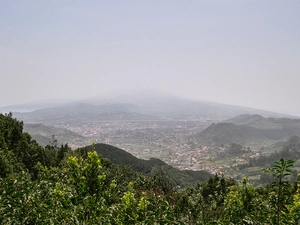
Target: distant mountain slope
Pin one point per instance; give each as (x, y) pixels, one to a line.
(138, 108)
(225, 133)
(248, 129)
(270, 131)
(261, 122)
(163, 105)
(292, 144)
(43, 135)
(289, 149)
(150, 167)
(84, 112)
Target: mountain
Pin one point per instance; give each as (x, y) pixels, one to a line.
(250, 130)
(137, 107)
(83, 112)
(261, 122)
(43, 135)
(150, 167)
(164, 105)
(225, 133)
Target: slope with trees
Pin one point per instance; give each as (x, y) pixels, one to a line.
(151, 167)
(250, 130)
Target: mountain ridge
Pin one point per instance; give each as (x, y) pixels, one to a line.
(249, 129)
(158, 108)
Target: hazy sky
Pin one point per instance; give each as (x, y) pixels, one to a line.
(235, 52)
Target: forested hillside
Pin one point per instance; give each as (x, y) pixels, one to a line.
(151, 167)
(60, 186)
(250, 130)
(43, 134)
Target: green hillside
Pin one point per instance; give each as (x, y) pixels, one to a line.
(293, 144)
(289, 149)
(226, 133)
(250, 130)
(150, 167)
(43, 135)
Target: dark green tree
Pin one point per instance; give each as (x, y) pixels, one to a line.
(281, 191)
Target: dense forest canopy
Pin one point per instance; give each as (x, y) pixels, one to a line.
(57, 185)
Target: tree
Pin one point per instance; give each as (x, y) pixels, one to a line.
(280, 194)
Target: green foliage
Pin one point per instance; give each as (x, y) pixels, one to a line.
(9, 164)
(10, 131)
(244, 205)
(12, 138)
(280, 194)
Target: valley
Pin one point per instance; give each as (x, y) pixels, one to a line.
(184, 134)
(176, 142)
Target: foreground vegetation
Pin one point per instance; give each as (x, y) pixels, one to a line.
(60, 186)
